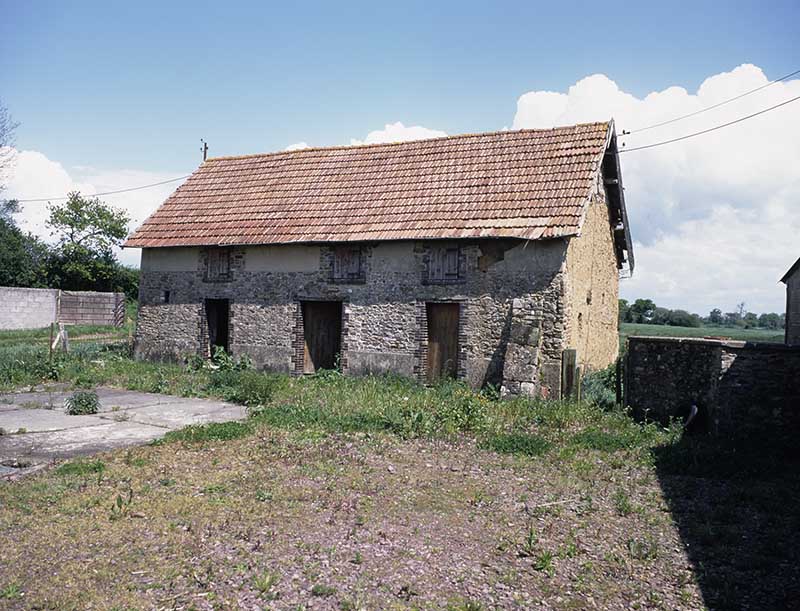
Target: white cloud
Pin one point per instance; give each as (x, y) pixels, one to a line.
(36, 177)
(711, 216)
(297, 146)
(397, 132)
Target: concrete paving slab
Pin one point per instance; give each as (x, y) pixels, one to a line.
(126, 418)
(177, 415)
(40, 420)
(87, 440)
(130, 399)
(35, 400)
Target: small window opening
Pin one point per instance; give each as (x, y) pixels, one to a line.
(347, 264)
(165, 297)
(218, 264)
(444, 264)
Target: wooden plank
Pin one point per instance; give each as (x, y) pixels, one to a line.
(322, 334)
(442, 340)
(569, 361)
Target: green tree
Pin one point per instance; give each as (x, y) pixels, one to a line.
(682, 318)
(84, 259)
(22, 256)
(88, 223)
(642, 310)
(715, 317)
(624, 310)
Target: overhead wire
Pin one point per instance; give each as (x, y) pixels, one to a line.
(128, 190)
(710, 129)
(621, 150)
(712, 107)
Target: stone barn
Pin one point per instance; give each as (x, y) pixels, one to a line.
(792, 281)
(480, 257)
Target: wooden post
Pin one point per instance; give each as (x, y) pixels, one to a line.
(569, 360)
(618, 381)
(578, 376)
(52, 324)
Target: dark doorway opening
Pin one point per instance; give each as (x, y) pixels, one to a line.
(442, 340)
(322, 334)
(218, 319)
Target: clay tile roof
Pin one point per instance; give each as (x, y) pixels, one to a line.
(529, 184)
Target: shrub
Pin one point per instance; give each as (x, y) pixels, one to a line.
(254, 389)
(599, 387)
(82, 402)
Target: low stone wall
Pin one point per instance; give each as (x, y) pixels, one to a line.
(739, 387)
(24, 308)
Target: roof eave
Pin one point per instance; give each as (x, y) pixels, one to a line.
(612, 181)
(791, 271)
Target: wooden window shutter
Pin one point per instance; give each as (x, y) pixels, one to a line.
(444, 264)
(451, 264)
(347, 263)
(218, 263)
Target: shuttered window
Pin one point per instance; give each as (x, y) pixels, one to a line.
(347, 264)
(444, 264)
(218, 264)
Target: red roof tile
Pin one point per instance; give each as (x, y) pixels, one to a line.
(528, 184)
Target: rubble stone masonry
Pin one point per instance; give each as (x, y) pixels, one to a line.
(384, 316)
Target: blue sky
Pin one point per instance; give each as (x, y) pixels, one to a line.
(112, 95)
(138, 84)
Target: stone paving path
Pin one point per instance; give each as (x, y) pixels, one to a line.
(36, 429)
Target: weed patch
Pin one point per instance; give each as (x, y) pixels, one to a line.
(526, 444)
(215, 431)
(82, 403)
(81, 467)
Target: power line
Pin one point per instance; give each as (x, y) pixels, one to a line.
(710, 129)
(702, 110)
(154, 184)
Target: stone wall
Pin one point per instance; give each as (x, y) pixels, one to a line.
(384, 316)
(25, 308)
(793, 309)
(738, 387)
(593, 288)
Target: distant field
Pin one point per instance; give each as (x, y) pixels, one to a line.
(751, 335)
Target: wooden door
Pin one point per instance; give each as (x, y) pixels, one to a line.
(322, 331)
(442, 340)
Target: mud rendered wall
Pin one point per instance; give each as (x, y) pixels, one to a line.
(593, 289)
(384, 319)
(739, 387)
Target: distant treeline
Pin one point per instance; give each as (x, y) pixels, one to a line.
(646, 311)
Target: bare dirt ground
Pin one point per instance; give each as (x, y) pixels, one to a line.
(285, 520)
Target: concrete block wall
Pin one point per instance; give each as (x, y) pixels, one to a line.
(24, 308)
(91, 308)
(739, 387)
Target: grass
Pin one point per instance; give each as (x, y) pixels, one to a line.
(379, 492)
(751, 335)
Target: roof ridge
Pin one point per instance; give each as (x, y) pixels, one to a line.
(406, 142)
